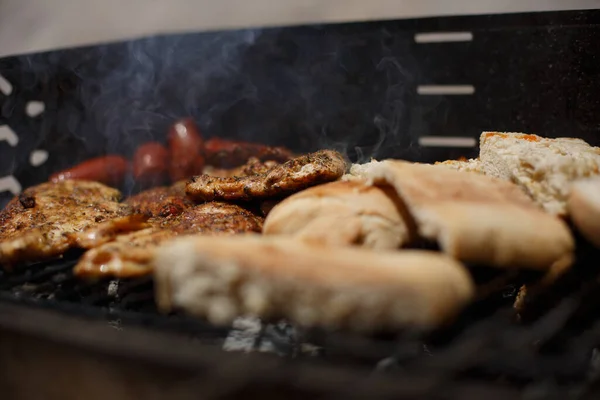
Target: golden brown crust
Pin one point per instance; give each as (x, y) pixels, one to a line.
(293, 175)
(342, 213)
(37, 224)
(130, 255)
(312, 285)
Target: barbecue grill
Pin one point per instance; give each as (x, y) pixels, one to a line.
(420, 89)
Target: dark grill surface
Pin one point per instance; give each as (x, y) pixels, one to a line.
(549, 349)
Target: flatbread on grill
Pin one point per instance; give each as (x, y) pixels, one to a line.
(471, 165)
(274, 277)
(544, 168)
(584, 208)
(475, 218)
(342, 213)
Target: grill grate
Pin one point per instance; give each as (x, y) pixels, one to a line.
(551, 346)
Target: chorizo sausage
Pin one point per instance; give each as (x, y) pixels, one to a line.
(110, 170)
(186, 150)
(150, 164)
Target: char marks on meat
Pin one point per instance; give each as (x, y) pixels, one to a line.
(131, 255)
(157, 202)
(161, 201)
(294, 175)
(39, 223)
(253, 167)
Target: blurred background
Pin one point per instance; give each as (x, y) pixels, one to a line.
(35, 25)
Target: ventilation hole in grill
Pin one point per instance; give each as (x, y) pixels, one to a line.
(5, 86)
(8, 135)
(38, 157)
(10, 184)
(456, 90)
(447, 141)
(34, 108)
(443, 37)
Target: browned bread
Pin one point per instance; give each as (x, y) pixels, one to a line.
(476, 218)
(342, 213)
(544, 168)
(471, 165)
(335, 287)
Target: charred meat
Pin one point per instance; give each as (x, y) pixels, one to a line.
(294, 175)
(161, 201)
(157, 202)
(131, 255)
(38, 224)
(252, 167)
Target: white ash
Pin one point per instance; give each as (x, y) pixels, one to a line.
(116, 324)
(249, 334)
(113, 289)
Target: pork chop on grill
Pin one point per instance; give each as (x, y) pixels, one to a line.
(161, 201)
(131, 255)
(292, 176)
(38, 224)
(252, 167)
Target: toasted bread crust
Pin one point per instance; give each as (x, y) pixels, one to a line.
(544, 168)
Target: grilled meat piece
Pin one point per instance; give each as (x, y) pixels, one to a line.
(292, 176)
(157, 202)
(253, 167)
(38, 224)
(107, 231)
(131, 255)
(161, 201)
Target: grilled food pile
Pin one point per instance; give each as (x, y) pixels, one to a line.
(257, 231)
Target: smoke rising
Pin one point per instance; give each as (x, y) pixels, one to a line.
(341, 87)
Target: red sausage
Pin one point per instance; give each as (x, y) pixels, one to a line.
(186, 150)
(150, 164)
(109, 170)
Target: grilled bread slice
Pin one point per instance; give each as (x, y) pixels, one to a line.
(342, 213)
(544, 168)
(476, 218)
(584, 208)
(334, 287)
(470, 165)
